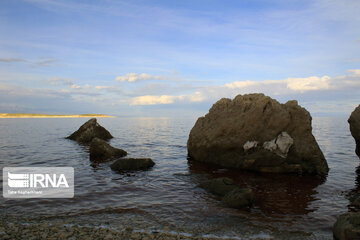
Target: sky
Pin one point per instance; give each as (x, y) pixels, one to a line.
(177, 58)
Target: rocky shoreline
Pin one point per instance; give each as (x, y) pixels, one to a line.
(64, 230)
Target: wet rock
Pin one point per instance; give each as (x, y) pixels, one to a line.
(354, 121)
(90, 130)
(101, 151)
(356, 202)
(131, 164)
(347, 227)
(219, 186)
(238, 198)
(255, 132)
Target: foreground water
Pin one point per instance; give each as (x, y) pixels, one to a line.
(166, 197)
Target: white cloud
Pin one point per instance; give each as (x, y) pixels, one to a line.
(59, 80)
(134, 77)
(46, 62)
(42, 62)
(289, 86)
(86, 86)
(153, 100)
(196, 97)
(296, 84)
(240, 84)
(309, 83)
(301, 85)
(167, 99)
(354, 71)
(9, 60)
(102, 87)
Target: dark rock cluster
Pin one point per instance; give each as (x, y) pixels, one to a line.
(100, 151)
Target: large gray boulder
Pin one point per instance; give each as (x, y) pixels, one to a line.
(257, 133)
(101, 151)
(347, 227)
(354, 121)
(132, 164)
(90, 130)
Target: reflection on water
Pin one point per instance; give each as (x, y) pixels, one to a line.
(286, 205)
(274, 193)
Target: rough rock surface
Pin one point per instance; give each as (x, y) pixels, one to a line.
(131, 164)
(101, 151)
(90, 130)
(354, 121)
(282, 132)
(219, 186)
(347, 227)
(238, 198)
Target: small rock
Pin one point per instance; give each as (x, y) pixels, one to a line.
(88, 131)
(101, 151)
(347, 227)
(238, 198)
(356, 202)
(109, 236)
(218, 186)
(130, 164)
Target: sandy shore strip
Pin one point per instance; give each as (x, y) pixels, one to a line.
(33, 115)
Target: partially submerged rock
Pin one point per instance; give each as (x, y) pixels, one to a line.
(218, 186)
(131, 164)
(90, 130)
(354, 121)
(347, 227)
(233, 196)
(101, 151)
(239, 198)
(257, 133)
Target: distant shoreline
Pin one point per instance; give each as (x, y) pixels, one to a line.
(35, 115)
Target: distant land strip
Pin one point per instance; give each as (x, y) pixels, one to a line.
(36, 115)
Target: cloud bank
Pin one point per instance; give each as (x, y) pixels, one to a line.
(320, 93)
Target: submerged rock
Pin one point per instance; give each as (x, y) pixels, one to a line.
(347, 227)
(239, 198)
(354, 121)
(219, 186)
(131, 164)
(233, 196)
(101, 151)
(257, 133)
(90, 130)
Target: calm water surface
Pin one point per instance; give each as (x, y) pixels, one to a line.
(287, 206)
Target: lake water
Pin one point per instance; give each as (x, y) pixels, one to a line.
(167, 196)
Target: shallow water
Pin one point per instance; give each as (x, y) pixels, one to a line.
(287, 206)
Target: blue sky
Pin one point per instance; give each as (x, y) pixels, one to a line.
(175, 58)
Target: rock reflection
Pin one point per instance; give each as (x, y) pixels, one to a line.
(354, 194)
(274, 193)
